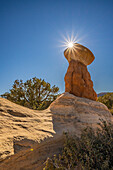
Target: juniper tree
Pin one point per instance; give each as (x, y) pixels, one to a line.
(34, 93)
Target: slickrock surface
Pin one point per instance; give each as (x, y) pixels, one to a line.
(78, 81)
(21, 128)
(71, 113)
(28, 137)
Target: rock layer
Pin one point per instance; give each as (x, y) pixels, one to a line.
(28, 137)
(78, 81)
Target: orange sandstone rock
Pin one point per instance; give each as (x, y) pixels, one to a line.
(78, 81)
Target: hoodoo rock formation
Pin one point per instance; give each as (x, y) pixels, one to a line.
(77, 79)
(28, 137)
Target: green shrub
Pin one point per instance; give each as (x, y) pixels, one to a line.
(111, 110)
(34, 93)
(107, 99)
(92, 151)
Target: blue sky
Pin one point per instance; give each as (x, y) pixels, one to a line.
(30, 35)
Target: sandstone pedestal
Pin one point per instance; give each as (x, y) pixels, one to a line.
(78, 81)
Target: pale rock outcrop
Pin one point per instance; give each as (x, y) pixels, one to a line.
(21, 128)
(28, 137)
(72, 114)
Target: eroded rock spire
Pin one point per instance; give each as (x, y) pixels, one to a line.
(77, 79)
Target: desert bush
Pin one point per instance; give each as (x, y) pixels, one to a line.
(111, 110)
(107, 99)
(34, 93)
(92, 151)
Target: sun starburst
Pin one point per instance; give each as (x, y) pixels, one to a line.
(69, 42)
(70, 45)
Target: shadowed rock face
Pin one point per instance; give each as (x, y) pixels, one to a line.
(77, 79)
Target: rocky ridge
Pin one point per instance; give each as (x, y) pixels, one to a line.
(28, 137)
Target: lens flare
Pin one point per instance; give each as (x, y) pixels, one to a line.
(70, 44)
(69, 41)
